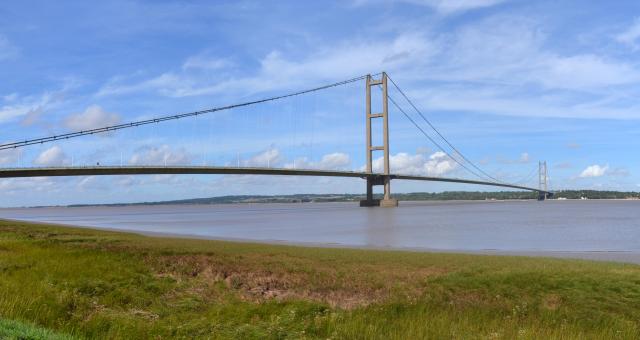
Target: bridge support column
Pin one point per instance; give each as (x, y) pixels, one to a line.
(369, 201)
(376, 179)
(543, 175)
(386, 200)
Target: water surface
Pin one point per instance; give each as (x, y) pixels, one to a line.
(527, 226)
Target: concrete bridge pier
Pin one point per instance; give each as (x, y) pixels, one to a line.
(542, 196)
(386, 201)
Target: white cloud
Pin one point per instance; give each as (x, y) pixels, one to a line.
(53, 156)
(349, 58)
(32, 117)
(631, 35)
(594, 171)
(335, 160)
(31, 105)
(206, 63)
(523, 159)
(128, 181)
(442, 6)
(511, 50)
(160, 83)
(332, 161)
(277, 71)
(10, 97)
(235, 184)
(90, 182)
(500, 64)
(585, 71)
(563, 165)
(619, 172)
(9, 156)
(455, 6)
(21, 185)
(93, 117)
(274, 158)
(268, 158)
(503, 65)
(438, 164)
(163, 155)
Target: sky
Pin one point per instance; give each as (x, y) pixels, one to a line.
(508, 82)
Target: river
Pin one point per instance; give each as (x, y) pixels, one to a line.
(598, 229)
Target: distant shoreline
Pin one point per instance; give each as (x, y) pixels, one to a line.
(224, 200)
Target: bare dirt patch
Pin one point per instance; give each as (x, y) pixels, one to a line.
(552, 301)
(258, 278)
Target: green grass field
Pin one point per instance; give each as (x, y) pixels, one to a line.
(66, 283)
(10, 329)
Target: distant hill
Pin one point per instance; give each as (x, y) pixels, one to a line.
(415, 196)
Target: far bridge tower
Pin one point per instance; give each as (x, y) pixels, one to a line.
(543, 181)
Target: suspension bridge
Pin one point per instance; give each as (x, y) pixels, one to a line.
(372, 119)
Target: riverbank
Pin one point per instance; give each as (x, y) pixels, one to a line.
(95, 283)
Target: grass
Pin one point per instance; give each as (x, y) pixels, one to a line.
(99, 284)
(13, 330)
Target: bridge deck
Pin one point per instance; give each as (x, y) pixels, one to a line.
(216, 170)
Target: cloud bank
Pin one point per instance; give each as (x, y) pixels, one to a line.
(594, 171)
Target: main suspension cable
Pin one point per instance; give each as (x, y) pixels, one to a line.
(49, 139)
(438, 132)
(527, 178)
(429, 137)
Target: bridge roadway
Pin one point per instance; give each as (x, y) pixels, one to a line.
(217, 170)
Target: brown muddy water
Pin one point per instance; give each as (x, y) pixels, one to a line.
(598, 229)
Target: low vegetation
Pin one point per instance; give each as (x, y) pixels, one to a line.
(82, 283)
(412, 196)
(11, 330)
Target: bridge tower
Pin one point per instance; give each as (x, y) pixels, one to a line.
(383, 179)
(543, 175)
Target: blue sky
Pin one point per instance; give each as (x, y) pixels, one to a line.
(508, 82)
